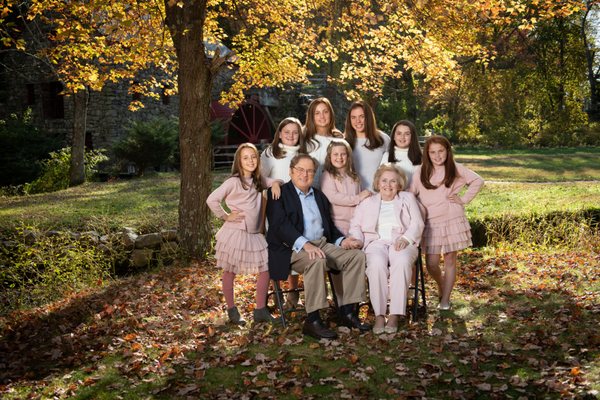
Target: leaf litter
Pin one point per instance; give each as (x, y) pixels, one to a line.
(524, 325)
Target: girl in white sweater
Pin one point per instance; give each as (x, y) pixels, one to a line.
(275, 163)
(287, 142)
(404, 150)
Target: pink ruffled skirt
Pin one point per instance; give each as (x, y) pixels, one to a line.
(241, 252)
(446, 236)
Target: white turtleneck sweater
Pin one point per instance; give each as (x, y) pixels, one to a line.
(277, 168)
(403, 162)
(366, 161)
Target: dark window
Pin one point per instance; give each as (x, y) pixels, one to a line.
(53, 101)
(89, 142)
(30, 94)
(135, 94)
(165, 97)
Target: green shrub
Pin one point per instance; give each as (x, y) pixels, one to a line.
(36, 268)
(55, 170)
(149, 144)
(574, 230)
(22, 147)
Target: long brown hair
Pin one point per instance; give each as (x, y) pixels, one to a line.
(328, 166)
(449, 165)
(236, 168)
(374, 139)
(414, 149)
(310, 129)
(274, 148)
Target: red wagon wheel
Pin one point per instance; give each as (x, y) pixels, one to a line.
(249, 123)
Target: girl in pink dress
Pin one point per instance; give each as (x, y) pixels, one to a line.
(241, 248)
(437, 184)
(341, 184)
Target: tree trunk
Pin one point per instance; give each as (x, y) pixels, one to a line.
(194, 83)
(593, 110)
(77, 169)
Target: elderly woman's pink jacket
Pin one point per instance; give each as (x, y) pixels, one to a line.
(363, 225)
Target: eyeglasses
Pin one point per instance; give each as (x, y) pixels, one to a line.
(305, 171)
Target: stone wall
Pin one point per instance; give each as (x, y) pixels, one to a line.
(127, 249)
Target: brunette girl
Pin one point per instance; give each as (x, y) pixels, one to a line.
(404, 150)
(240, 247)
(367, 142)
(287, 142)
(319, 130)
(275, 163)
(437, 184)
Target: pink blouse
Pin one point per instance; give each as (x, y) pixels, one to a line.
(343, 196)
(436, 202)
(248, 201)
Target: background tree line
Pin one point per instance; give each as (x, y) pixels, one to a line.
(536, 88)
(493, 72)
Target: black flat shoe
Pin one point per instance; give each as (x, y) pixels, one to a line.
(352, 321)
(317, 330)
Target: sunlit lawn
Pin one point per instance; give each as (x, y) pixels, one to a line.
(540, 165)
(150, 203)
(523, 325)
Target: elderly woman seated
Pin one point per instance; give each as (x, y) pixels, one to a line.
(389, 225)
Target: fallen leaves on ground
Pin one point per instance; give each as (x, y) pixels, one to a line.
(524, 324)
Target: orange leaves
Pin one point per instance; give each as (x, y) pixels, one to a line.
(130, 337)
(95, 42)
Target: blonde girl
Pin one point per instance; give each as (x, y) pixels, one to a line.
(437, 184)
(341, 184)
(241, 247)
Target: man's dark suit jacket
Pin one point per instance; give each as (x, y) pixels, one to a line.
(286, 224)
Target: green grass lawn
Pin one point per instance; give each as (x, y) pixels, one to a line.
(145, 204)
(150, 203)
(539, 165)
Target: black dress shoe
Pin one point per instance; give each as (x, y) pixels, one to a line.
(317, 330)
(352, 321)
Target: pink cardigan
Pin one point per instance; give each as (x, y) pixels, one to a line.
(436, 202)
(408, 219)
(343, 196)
(248, 201)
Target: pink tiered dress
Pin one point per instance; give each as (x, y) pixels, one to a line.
(446, 226)
(241, 248)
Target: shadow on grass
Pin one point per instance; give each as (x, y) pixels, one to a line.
(45, 342)
(511, 333)
(79, 332)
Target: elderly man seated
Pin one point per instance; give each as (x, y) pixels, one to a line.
(302, 237)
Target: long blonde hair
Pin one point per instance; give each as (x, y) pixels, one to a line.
(328, 166)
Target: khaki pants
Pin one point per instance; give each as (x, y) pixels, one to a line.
(349, 283)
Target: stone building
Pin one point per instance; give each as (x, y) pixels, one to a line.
(28, 84)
